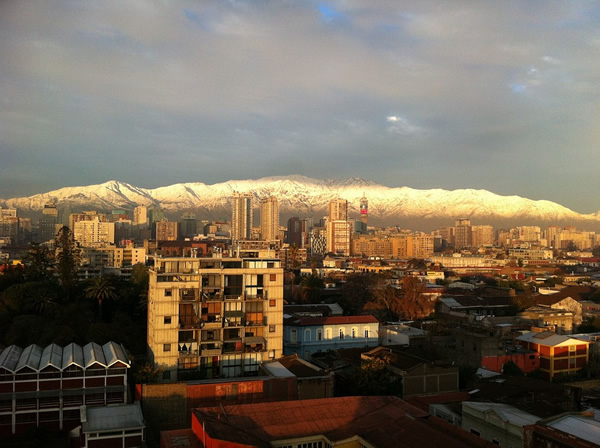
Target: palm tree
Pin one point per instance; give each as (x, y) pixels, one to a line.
(100, 290)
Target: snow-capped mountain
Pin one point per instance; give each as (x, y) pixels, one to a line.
(303, 196)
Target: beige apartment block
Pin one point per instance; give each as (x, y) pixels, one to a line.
(214, 317)
(93, 232)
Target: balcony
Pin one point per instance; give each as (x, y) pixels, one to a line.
(234, 296)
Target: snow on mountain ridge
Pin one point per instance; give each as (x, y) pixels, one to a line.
(298, 193)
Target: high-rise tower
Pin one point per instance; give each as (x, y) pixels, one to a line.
(241, 216)
(364, 213)
(269, 219)
(338, 228)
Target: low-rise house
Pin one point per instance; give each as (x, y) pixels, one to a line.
(573, 430)
(114, 426)
(559, 354)
(419, 376)
(499, 423)
(308, 335)
(546, 316)
(398, 333)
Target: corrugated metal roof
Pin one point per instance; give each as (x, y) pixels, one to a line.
(111, 418)
(10, 357)
(51, 356)
(13, 358)
(30, 358)
(584, 428)
(278, 370)
(550, 339)
(72, 354)
(92, 353)
(506, 412)
(114, 353)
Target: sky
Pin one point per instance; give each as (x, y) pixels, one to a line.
(495, 95)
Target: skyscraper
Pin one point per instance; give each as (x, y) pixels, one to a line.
(48, 222)
(269, 219)
(364, 213)
(338, 228)
(241, 216)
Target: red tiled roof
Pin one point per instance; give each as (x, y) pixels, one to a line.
(336, 320)
(335, 418)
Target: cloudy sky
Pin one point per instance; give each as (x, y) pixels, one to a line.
(496, 95)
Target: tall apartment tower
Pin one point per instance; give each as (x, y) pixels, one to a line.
(269, 219)
(91, 232)
(214, 317)
(339, 228)
(140, 216)
(241, 216)
(338, 210)
(48, 222)
(167, 230)
(462, 233)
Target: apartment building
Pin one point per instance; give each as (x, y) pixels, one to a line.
(94, 231)
(241, 216)
(46, 387)
(269, 219)
(214, 317)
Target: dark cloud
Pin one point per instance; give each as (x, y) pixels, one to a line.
(495, 95)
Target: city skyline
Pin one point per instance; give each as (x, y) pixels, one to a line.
(420, 94)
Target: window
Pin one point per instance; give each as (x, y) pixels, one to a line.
(166, 347)
(328, 333)
(354, 332)
(273, 277)
(474, 431)
(271, 328)
(167, 320)
(272, 302)
(293, 335)
(366, 332)
(319, 335)
(307, 335)
(341, 333)
(168, 293)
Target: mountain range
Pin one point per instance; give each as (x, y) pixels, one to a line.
(304, 196)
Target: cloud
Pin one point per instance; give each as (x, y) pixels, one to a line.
(400, 125)
(102, 90)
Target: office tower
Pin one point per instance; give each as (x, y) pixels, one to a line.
(530, 234)
(188, 225)
(462, 233)
(167, 230)
(482, 236)
(338, 210)
(48, 222)
(90, 232)
(9, 224)
(338, 228)
(269, 219)
(140, 216)
(241, 216)
(364, 213)
(216, 317)
(85, 216)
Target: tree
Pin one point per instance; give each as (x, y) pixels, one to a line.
(385, 302)
(68, 256)
(100, 290)
(414, 304)
(38, 263)
(374, 378)
(310, 286)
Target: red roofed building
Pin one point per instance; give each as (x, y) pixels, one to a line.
(353, 422)
(308, 335)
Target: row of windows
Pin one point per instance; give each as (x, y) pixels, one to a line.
(328, 334)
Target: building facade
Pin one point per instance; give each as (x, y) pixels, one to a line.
(214, 317)
(269, 219)
(45, 387)
(308, 335)
(241, 216)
